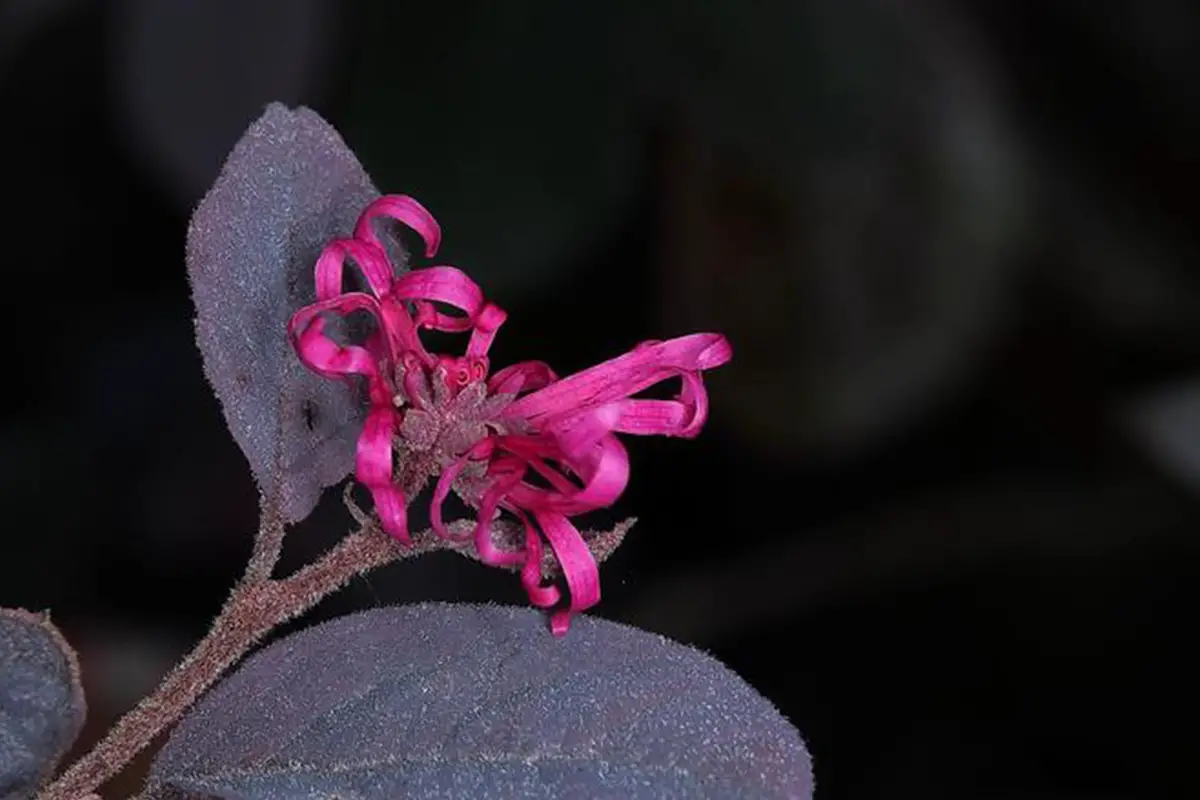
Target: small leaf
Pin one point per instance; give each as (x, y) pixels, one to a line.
(440, 700)
(41, 701)
(289, 186)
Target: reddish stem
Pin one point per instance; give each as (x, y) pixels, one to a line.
(254, 608)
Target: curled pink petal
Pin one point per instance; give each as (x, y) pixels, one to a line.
(577, 434)
(401, 331)
(427, 316)
(578, 566)
(531, 573)
(448, 285)
(524, 377)
(695, 398)
(451, 287)
(535, 454)
(373, 468)
(329, 359)
(487, 322)
(652, 417)
(623, 376)
(488, 552)
(343, 305)
(683, 417)
(416, 387)
(603, 487)
(371, 261)
(440, 492)
(392, 509)
(403, 209)
(604, 470)
(446, 480)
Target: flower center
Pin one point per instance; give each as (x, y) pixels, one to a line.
(445, 409)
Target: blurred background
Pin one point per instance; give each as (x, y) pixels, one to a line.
(945, 511)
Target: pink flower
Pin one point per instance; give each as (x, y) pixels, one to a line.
(484, 435)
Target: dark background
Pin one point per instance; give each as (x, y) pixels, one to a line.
(944, 514)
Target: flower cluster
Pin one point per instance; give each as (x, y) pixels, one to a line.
(520, 440)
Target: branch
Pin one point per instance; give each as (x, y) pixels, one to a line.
(268, 544)
(254, 608)
(257, 605)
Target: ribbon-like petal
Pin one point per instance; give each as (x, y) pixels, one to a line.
(329, 359)
(405, 210)
(621, 377)
(372, 263)
(451, 286)
(373, 468)
(579, 568)
(526, 376)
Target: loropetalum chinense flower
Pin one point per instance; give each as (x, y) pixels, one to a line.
(483, 434)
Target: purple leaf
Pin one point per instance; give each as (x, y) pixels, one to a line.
(439, 700)
(289, 186)
(41, 701)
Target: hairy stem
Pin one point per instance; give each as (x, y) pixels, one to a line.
(267, 544)
(255, 607)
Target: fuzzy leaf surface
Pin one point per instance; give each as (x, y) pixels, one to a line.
(444, 700)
